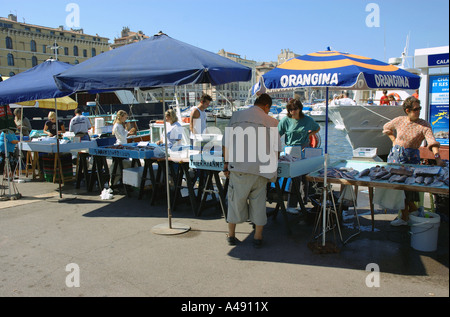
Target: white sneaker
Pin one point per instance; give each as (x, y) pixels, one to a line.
(292, 210)
(398, 222)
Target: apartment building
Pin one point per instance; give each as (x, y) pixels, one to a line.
(23, 45)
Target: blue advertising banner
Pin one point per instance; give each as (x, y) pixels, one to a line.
(438, 60)
(439, 89)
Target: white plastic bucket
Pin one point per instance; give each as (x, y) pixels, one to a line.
(99, 124)
(424, 231)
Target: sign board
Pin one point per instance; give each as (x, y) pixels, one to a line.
(440, 60)
(439, 102)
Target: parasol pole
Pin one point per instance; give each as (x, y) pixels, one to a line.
(169, 211)
(325, 169)
(58, 162)
(176, 228)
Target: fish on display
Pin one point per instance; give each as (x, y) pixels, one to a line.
(419, 179)
(397, 178)
(428, 180)
(402, 171)
(364, 172)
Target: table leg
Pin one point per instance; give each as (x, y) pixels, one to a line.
(281, 204)
(190, 186)
(372, 213)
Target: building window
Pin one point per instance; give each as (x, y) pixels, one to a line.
(33, 46)
(66, 51)
(9, 44)
(84, 53)
(34, 61)
(75, 50)
(44, 49)
(10, 59)
(93, 52)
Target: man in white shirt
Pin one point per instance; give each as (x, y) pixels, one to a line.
(346, 101)
(80, 125)
(198, 116)
(251, 146)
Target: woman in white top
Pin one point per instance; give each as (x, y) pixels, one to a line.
(174, 132)
(119, 129)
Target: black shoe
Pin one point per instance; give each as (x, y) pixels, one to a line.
(232, 240)
(257, 243)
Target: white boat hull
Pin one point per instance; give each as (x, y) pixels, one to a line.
(364, 124)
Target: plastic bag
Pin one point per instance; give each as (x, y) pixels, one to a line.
(389, 198)
(106, 194)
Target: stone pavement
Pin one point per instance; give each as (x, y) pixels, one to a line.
(45, 241)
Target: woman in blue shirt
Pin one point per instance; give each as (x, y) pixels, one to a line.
(10, 138)
(297, 128)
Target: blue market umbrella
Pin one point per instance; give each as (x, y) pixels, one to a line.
(35, 84)
(157, 62)
(332, 69)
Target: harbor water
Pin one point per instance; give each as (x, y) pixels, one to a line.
(338, 146)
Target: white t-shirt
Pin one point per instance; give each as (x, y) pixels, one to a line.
(252, 141)
(199, 124)
(79, 124)
(120, 133)
(346, 102)
(175, 134)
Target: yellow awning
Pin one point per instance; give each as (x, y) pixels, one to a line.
(63, 103)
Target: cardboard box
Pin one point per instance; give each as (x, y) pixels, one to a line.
(133, 176)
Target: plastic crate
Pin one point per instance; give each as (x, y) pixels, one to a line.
(365, 152)
(106, 141)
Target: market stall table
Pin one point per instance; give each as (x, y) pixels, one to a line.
(50, 147)
(367, 182)
(210, 168)
(100, 169)
(292, 170)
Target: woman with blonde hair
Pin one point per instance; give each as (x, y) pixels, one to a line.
(120, 128)
(174, 131)
(50, 125)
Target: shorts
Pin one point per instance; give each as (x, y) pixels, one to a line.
(247, 198)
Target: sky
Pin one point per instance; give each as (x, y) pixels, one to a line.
(256, 29)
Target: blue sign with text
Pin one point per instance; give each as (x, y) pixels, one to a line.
(438, 59)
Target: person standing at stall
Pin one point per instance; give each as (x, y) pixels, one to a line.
(120, 128)
(197, 124)
(80, 125)
(175, 133)
(8, 143)
(251, 147)
(50, 125)
(22, 123)
(407, 133)
(297, 129)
